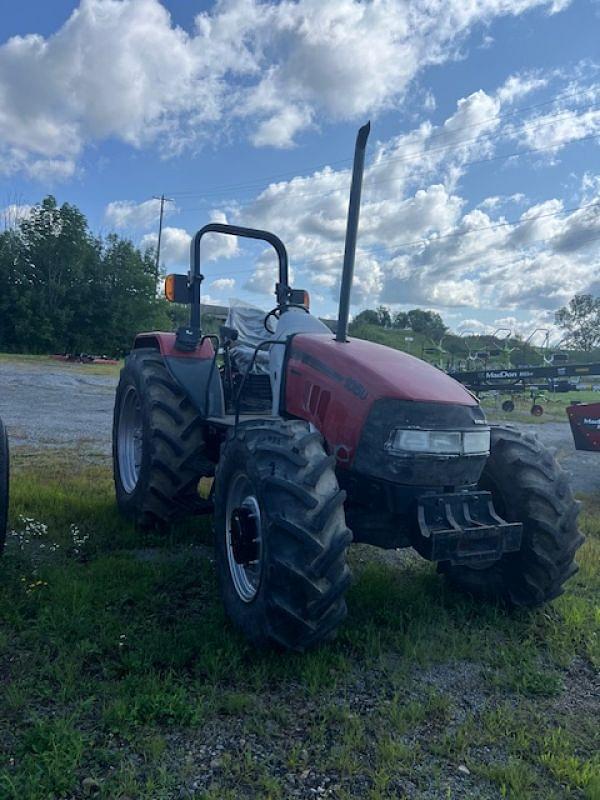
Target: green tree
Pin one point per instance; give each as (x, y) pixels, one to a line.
(400, 320)
(64, 290)
(581, 321)
(429, 323)
(368, 317)
(384, 317)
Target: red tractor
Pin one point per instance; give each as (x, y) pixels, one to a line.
(315, 441)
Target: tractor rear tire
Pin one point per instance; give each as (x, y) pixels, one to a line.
(158, 444)
(4, 479)
(528, 486)
(283, 579)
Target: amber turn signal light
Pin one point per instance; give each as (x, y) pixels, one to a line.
(177, 289)
(170, 288)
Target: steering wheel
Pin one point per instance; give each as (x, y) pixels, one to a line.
(277, 311)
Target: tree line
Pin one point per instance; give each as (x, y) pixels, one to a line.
(64, 290)
(417, 320)
(579, 320)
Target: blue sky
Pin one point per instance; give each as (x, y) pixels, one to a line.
(247, 112)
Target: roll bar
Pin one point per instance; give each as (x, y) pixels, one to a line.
(187, 338)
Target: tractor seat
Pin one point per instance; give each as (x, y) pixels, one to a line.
(248, 322)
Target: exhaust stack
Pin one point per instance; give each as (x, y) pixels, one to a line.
(351, 232)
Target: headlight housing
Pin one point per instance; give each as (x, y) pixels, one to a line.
(415, 441)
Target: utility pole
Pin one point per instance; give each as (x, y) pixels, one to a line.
(163, 200)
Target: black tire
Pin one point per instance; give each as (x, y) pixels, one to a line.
(303, 576)
(172, 457)
(4, 480)
(527, 486)
(508, 406)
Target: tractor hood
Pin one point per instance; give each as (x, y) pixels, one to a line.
(334, 385)
(371, 370)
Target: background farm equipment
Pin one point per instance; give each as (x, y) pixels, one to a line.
(83, 358)
(532, 381)
(315, 441)
(584, 419)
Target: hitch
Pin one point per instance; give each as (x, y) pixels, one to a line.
(464, 528)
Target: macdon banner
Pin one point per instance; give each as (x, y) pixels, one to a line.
(584, 419)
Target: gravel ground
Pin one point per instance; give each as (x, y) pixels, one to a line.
(47, 405)
(583, 468)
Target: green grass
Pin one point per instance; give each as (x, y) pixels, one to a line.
(121, 677)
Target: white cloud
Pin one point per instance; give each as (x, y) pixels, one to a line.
(280, 129)
(175, 245)
(13, 213)
(344, 59)
(495, 201)
(468, 326)
(419, 243)
(309, 213)
(122, 69)
(125, 214)
(517, 86)
(590, 184)
(558, 128)
(222, 284)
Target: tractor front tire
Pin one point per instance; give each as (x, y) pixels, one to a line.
(4, 475)
(528, 486)
(281, 535)
(158, 443)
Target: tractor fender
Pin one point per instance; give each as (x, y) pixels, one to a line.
(195, 371)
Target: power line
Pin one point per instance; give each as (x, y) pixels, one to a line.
(459, 234)
(261, 182)
(549, 120)
(538, 241)
(382, 181)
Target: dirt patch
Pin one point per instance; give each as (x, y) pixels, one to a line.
(581, 690)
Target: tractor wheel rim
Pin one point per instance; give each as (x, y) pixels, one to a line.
(244, 537)
(129, 440)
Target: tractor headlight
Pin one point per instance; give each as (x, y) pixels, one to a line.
(446, 443)
(476, 442)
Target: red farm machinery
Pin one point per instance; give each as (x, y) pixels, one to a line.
(314, 440)
(584, 419)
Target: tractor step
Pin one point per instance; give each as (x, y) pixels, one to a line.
(464, 528)
(228, 420)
